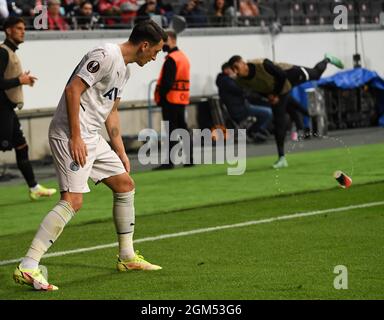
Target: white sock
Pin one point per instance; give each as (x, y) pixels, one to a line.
(35, 188)
(124, 218)
(126, 251)
(50, 229)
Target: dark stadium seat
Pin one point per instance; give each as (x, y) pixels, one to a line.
(297, 10)
(365, 11)
(311, 9)
(326, 12)
(283, 10)
(290, 12)
(326, 7)
(267, 12)
(377, 6)
(362, 12)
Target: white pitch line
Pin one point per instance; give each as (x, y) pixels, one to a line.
(205, 230)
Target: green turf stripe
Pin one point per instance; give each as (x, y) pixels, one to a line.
(210, 229)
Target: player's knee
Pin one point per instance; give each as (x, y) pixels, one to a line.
(76, 204)
(127, 184)
(121, 183)
(76, 201)
(131, 183)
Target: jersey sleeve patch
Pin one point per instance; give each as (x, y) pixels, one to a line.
(93, 66)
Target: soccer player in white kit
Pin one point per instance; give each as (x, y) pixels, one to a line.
(90, 100)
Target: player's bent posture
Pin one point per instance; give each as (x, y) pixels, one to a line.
(91, 99)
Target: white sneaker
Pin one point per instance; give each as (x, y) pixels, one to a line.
(281, 163)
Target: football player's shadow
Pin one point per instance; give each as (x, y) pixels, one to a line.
(108, 272)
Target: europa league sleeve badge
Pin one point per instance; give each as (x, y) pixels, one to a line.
(344, 181)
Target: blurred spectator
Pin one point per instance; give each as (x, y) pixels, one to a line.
(248, 11)
(111, 8)
(221, 13)
(242, 105)
(248, 8)
(4, 13)
(194, 14)
(147, 10)
(84, 18)
(13, 9)
(118, 11)
(70, 6)
(128, 11)
(22, 7)
(166, 7)
(55, 20)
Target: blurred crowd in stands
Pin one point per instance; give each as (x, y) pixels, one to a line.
(114, 14)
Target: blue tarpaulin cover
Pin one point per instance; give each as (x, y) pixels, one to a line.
(349, 79)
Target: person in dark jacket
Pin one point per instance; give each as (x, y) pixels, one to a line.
(194, 14)
(83, 17)
(147, 10)
(12, 78)
(238, 103)
(172, 94)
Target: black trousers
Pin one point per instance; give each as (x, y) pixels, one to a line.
(296, 111)
(12, 137)
(11, 134)
(175, 115)
(296, 75)
(280, 123)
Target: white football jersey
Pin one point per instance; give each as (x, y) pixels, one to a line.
(106, 74)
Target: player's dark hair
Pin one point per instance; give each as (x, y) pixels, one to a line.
(225, 65)
(233, 60)
(148, 31)
(12, 21)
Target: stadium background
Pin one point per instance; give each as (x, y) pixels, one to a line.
(283, 260)
(51, 56)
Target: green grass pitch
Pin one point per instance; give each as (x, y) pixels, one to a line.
(278, 259)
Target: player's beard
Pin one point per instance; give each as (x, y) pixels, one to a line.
(142, 59)
(141, 63)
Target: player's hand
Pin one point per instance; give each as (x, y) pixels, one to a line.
(79, 151)
(125, 160)
(273, 100)
(27, 78)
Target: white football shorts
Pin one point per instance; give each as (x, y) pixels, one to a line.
(102, 162)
